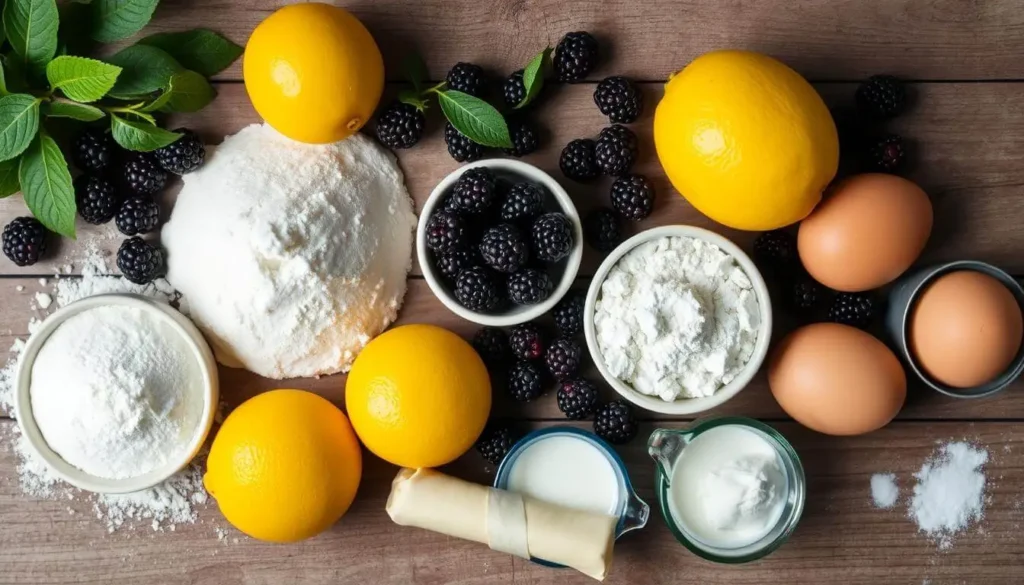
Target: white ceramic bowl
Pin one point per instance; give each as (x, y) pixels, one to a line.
(683, 405)
(569, 266)
(208, 387)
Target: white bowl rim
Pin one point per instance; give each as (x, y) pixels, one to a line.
(73, 475)
(525, 313)
(682, 406)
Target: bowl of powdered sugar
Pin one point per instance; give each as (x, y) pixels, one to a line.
(678, 319)
(116, 392)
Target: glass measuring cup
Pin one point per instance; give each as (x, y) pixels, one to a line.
(666, 445)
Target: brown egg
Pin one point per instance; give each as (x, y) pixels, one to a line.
(965, 329)
(837, 379)
(866, 233)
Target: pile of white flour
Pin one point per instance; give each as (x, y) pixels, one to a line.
(292, 256)
(677, 318)
(161, 507)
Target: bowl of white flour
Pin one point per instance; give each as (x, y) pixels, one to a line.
(116, 392)
(678, 319)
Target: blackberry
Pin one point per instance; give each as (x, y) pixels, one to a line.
(461, 148)
(514, 90)
(881, 97)
(529, 287)
(525, 139)
(887, 154)
(24, 240)
(525, 381)
(400, 125)
(577, 398)
(96, 199)
(615, 150)
(477, 289)
(775, 250)
(139, 261)
(575, 57)
(137, 215)
(182, 156)
(852, 309)
(602, 229)
(467, 78)
(633, 197)
(494, 443)
(523, 202)
(614, 422)
(563, 359)
(504, 248)
(446, 231)
(492, 345)
(476, 190)
(618, 99)
(551, 237)
(568, 313)
(806, 296)
(93, 150)
(450, 264)
(526, 341)
(141, 175)
(578, 160)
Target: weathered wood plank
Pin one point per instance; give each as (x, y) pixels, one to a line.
(968, 146)
(422, 307)
(842, 537)
(938, 39)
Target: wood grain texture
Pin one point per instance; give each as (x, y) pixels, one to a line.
(823, 39)
(966, 148)
(841, 538)
(422, 307)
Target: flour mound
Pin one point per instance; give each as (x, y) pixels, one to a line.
(292, 256)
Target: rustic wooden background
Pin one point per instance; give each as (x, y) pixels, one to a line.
(967, 128)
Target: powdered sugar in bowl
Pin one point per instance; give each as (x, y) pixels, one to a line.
(678, 319)
(116, 393)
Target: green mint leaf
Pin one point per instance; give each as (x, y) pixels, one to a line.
(533, 76)
(188, 92)
(46, 185)
(159, 102)
(114, 20)
(414, 98)
(83, 80)
(3, 82)
(19, 124)
(144, 69)
(414, 70)
(31, 28)
(62, 108)
(139, 136)
(9, 183)
(475, 118)
(199, 50)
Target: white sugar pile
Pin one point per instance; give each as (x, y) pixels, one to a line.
(950, 492)
(162, 507)
(884, 490)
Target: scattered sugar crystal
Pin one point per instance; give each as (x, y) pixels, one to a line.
(884, 490)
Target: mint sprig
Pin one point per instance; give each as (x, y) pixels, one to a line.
(476, 119)
(44, 76)
(533, 76)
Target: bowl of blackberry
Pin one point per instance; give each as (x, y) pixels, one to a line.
(499, 242)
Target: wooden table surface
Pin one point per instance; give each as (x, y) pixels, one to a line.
(967, 132)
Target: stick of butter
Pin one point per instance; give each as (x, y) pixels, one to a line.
(505, 521)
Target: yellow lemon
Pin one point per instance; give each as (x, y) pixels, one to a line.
(284, 466)
(746, 140)
(418, 396)
(313, 72)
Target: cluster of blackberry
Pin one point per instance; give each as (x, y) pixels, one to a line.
(117, 185)
(401, 125)
(864, 143)
(776, 255)
(495, 242)
(527, 361)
